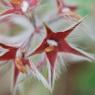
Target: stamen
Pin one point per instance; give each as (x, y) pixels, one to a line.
(21, 53)
(16, 2)
(49, 49)
(20, 65)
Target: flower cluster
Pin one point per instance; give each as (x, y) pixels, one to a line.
(52, 45)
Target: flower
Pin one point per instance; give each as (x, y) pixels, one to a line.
(17, 54)
(68, 11)
(61, 5)
(55, 42)
(19, 6)
(16, 49)
(22, 7)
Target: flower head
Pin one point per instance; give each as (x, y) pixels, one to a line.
(55, 42)
(16, 49)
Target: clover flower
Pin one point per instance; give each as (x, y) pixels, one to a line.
(18, 49)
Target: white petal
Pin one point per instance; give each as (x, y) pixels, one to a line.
(40, 77)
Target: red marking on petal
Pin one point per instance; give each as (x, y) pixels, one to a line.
(10, 11)
(10, 54)
(48, 30)
(41, 48)
(66, 32)
(52, 57)
(65, 47)
(54, 36)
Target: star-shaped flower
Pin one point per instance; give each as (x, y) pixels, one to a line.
(16, 49)
(55, 42)
(17, 54)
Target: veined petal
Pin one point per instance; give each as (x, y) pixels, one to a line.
(72, 27)
(39, 76)
(11, 11)
(70, 49)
